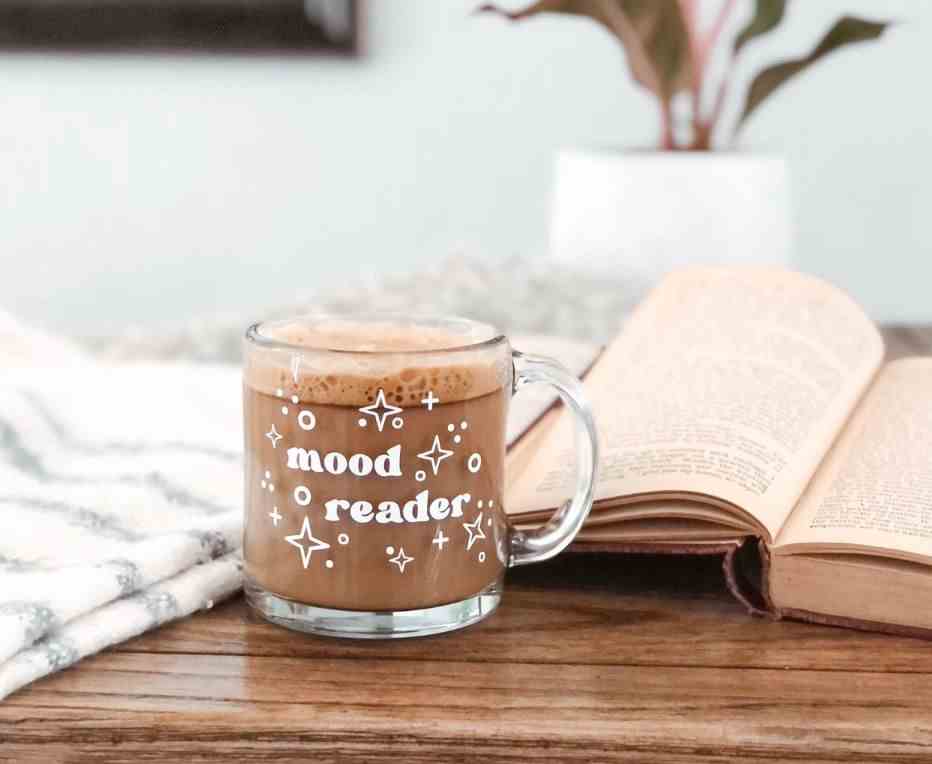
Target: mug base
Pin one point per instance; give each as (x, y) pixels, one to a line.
(368, 624)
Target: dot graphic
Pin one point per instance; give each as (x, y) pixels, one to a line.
(306, 420)
(271, 488)
(480, 503)
(329, 563)
(475, 462)
(284, 409)
(361, 422)
(457, 438)
(295, 399)
(343, 539)
(420, 476)
(268, 474)
(398, 422)
(263, 484)
(464, 425)
(389, 550)
(302, 495)
(279, 392)
(489, 521)
(491, 502)
(451, 428)
(481, 556)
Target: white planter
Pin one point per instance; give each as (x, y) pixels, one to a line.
(638, 215)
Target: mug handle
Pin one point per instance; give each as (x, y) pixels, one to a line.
(551, 539)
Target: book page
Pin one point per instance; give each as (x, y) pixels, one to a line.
(727, 382)
(875, 488)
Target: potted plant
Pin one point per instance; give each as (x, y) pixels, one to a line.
(642, 212)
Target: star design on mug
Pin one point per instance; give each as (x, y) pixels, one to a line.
(401, 560)
(313, 544)
(436, 454)
(274, 436)
(474, 529)
(380, 410)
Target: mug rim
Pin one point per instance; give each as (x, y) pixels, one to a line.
(254, 333)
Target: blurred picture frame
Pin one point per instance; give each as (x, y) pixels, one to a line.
(303, 27)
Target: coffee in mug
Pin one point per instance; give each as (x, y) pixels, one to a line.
(375, 451)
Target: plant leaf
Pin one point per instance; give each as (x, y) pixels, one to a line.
(846, 31)
(767, 16)
(652, 32)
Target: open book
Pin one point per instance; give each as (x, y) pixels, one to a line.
(746, 405)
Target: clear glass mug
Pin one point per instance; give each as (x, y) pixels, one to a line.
(374, 472)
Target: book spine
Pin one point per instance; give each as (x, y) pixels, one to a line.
(746, 566)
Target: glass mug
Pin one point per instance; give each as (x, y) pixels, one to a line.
(375, 450)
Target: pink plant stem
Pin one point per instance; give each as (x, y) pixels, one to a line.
(715, 30)
(667, 140)
(690, 12)
(708, 45)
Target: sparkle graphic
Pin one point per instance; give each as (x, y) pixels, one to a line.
(474, 529)
(275, 515)
(380, 410)
(401, 560)
(430, 400)
(440, 539)
(436, 454)
(273, 436)
(306, 543)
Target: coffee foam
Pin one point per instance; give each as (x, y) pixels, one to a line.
(389, 358)
(375, 336)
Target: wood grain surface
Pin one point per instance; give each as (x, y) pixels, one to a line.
(590, 658)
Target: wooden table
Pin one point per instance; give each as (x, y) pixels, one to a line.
(590, 658)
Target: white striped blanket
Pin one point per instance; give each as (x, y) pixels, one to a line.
(120, 505)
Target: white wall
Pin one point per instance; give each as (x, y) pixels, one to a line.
(154, 188)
